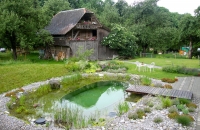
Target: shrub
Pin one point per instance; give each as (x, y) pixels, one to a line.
(150, 104)
(184, 120)
(168, 80)
(166, 102)
(158, 85)
(140, 113)
(146, 101)
(180, 107)
(173, 115)
(72, 66)
(171, 69)
(168, 86)
(191, 105)
(159, 107)
(145, 80)
(185, 111)
(113, 65)
(158, 120)
(175, 101)
(133, 116)
(191, 109)
(147, 110)
(192, 119)
(184, 101)
(172, 109)
(123, 108)
(181, 70)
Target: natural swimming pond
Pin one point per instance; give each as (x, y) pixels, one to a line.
(97, 98)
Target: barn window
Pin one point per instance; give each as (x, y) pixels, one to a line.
(94, 33)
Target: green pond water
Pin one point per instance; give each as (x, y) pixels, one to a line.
(100, 97)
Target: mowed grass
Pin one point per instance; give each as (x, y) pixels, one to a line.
(17, 75)
(189, 63)
(156, 74)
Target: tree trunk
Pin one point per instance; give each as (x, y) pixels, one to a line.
(13, 46)
(47, 52)
(190, 49)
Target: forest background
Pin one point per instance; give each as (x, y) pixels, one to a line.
(155, 29)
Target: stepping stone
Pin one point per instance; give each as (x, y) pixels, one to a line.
(40, 121)
(112, 114)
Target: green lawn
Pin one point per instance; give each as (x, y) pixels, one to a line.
(189, 63)
(157, 73)
(18, 75)
(29, 69)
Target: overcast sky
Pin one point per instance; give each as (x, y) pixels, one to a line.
(180, 6)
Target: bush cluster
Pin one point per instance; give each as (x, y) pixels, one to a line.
(168, 86)
(113, 66)
(181, 70)
(168, 80)
(173, 115)
(166, 102)
(184, 120)
(145, 80)
(158, 120)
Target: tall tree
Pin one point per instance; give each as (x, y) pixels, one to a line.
(188, 31)
(52, 7)
(121, 5)
(109, 15)
(22, 20)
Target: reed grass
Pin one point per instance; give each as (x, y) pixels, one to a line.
(70, 118)
(122, 108)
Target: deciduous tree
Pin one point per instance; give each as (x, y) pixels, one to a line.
(122, 41)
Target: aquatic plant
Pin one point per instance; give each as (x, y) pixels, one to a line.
(70, 117)
(42, 90)
(145, 80)
(71, 79)
(122, 108)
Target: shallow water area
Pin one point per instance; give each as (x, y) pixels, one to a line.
(97, 99)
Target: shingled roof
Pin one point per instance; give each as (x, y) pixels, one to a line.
(64, 21)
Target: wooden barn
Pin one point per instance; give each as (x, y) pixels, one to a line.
(72, 29)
